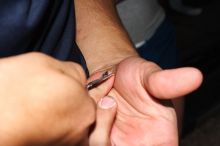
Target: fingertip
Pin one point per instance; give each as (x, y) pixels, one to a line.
(197, 74)
(168, 84)
(190, 77)
(107, 102)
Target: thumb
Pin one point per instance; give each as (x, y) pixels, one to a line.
(169, 84)
(106, 112)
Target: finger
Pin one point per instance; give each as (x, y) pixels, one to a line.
(106, 112)
(100, 91)
(168, 84)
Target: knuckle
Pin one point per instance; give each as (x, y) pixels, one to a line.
(78, 70)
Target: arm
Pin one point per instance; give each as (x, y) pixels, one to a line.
(104, 42)
(103, 35)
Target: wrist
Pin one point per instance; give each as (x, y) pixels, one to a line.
(107, 62)
(102, 40)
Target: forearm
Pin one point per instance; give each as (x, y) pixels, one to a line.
(100, 34)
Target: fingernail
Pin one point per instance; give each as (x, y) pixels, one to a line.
(107, 102)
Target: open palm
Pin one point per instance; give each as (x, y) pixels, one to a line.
(142, 119)
(145, 116)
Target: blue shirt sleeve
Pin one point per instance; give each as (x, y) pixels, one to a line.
(46, 26)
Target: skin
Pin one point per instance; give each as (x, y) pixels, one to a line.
(145, 116)
(139, 85)
(143, 119)
(43, 102)
(35, 110)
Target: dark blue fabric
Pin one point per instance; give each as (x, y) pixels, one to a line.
(161, 48)
(46, 26)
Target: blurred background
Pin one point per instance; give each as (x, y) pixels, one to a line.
(198, 38)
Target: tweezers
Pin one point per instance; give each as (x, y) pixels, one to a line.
(106, 75)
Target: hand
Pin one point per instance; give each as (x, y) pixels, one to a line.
(140, 89)
(106, 112)
(43, 101)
